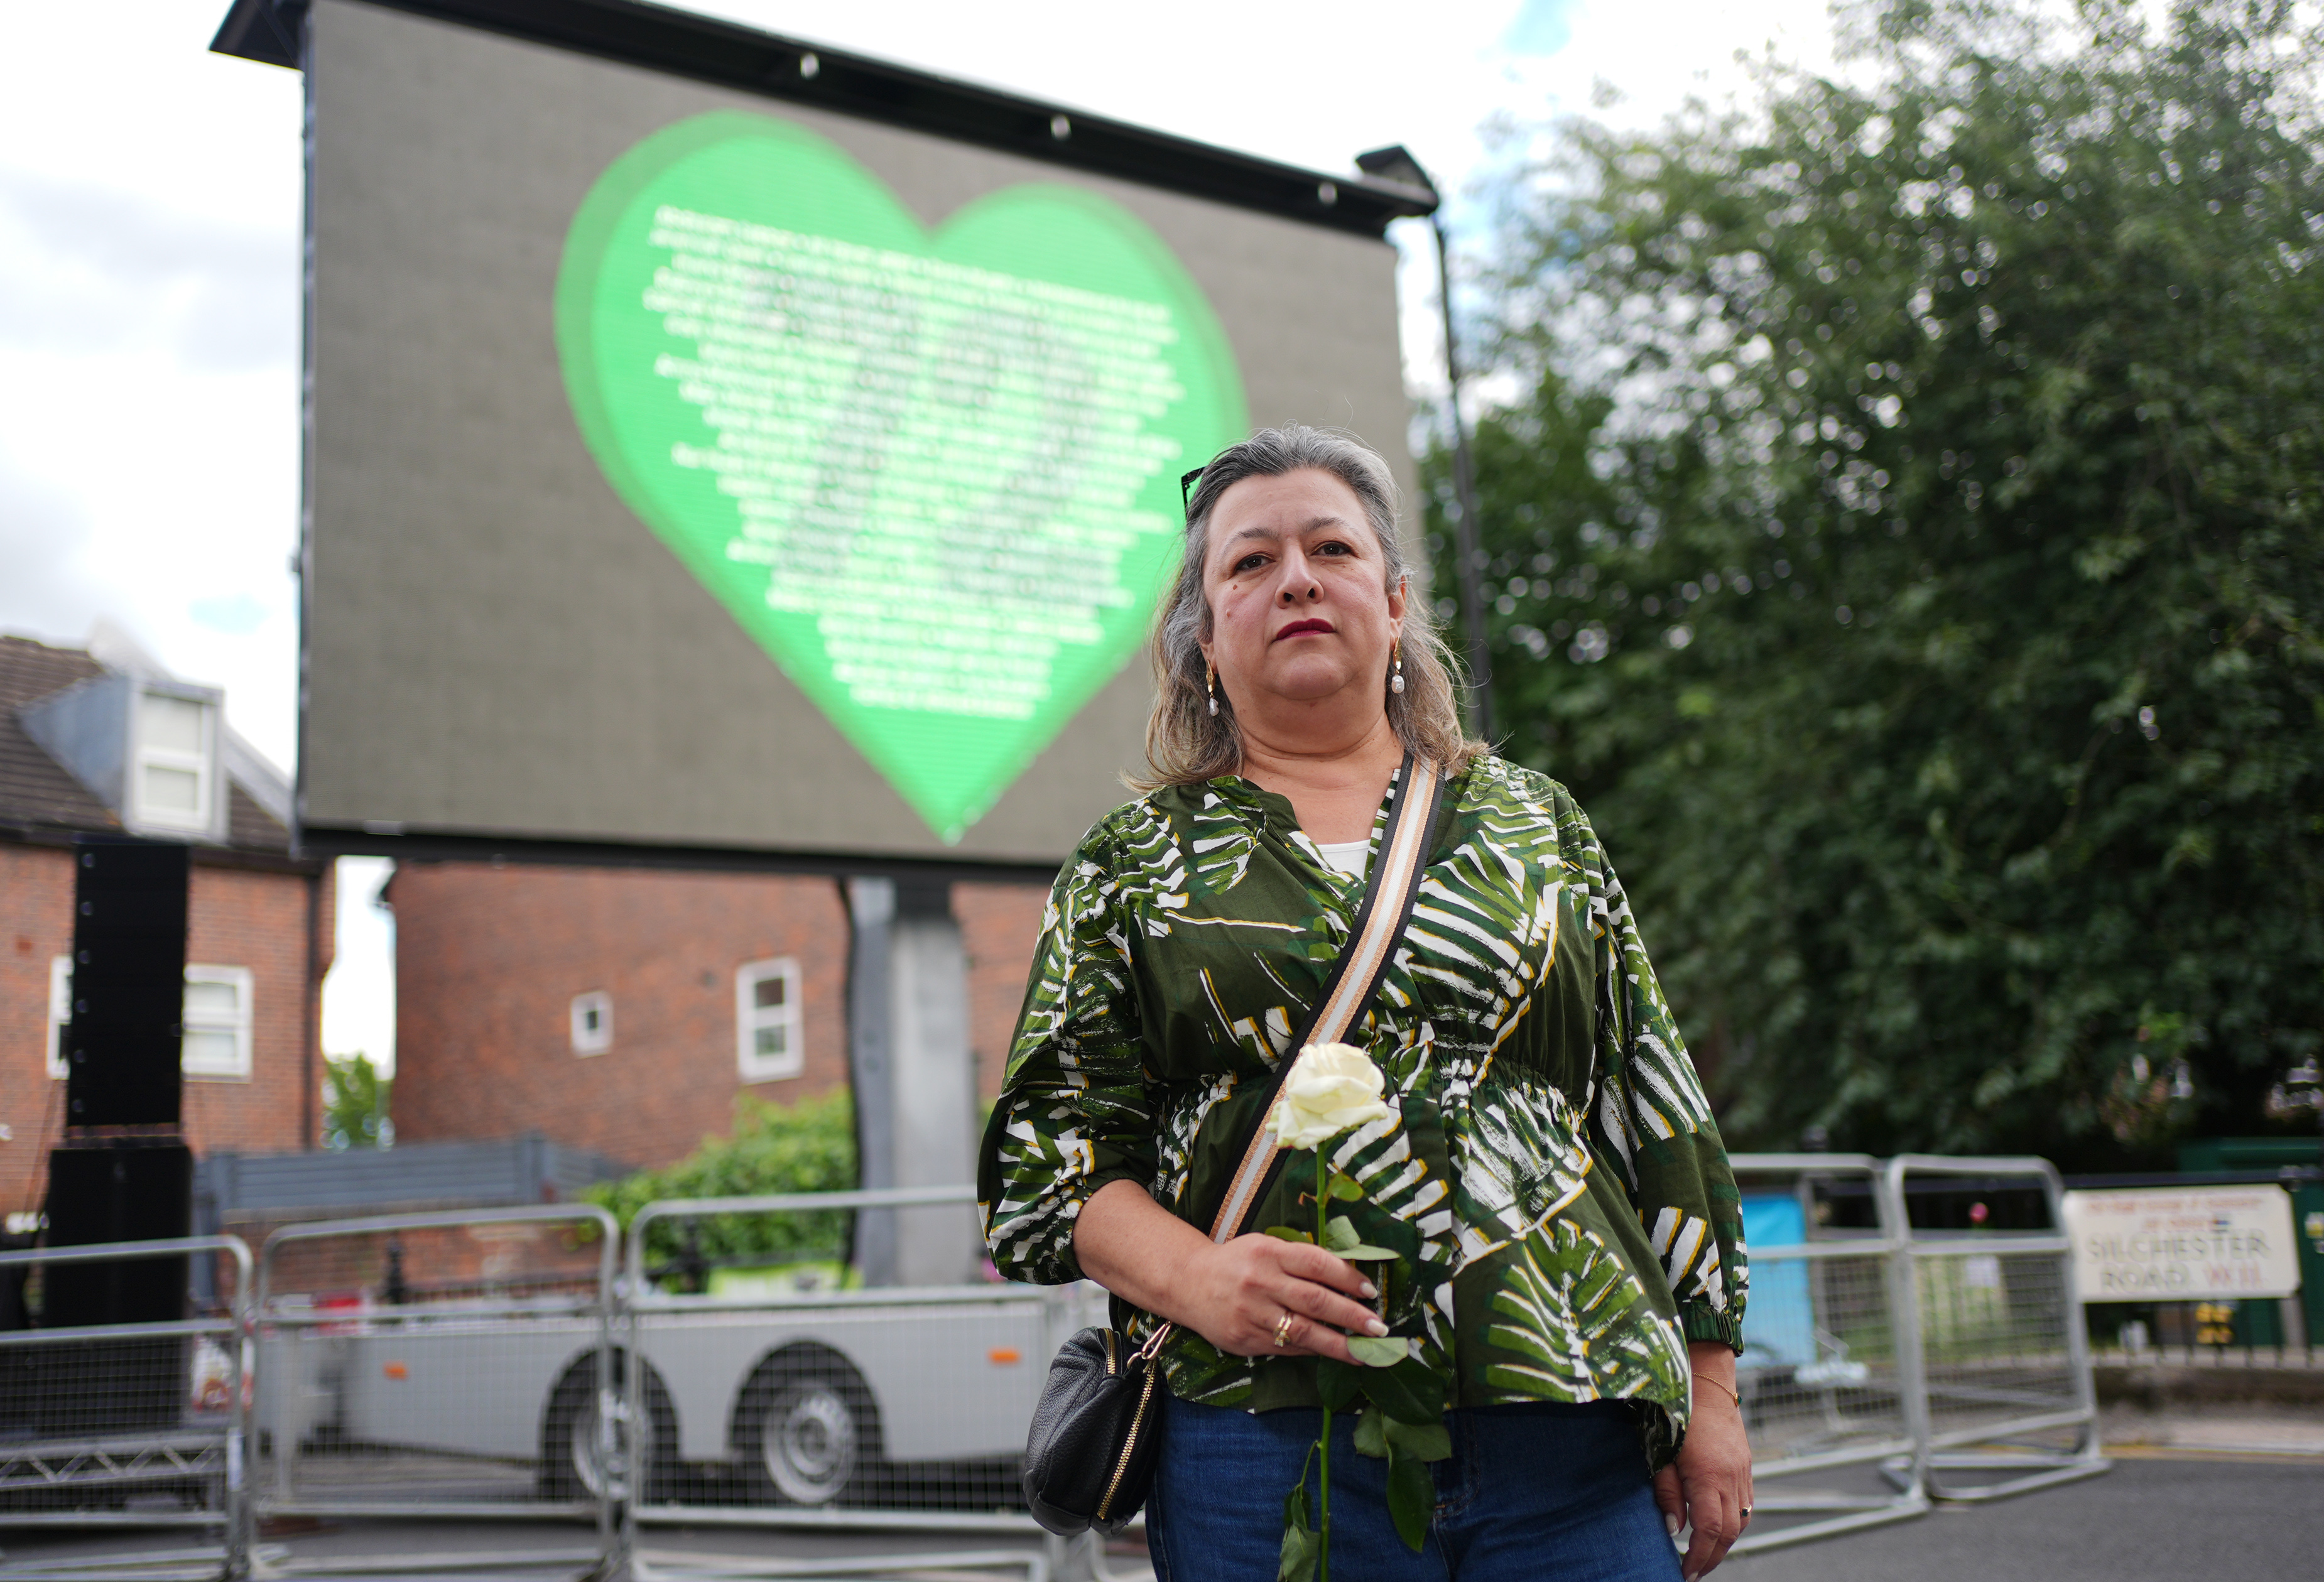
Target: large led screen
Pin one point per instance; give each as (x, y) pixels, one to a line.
(693, 468)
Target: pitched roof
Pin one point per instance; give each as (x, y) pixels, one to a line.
(37, 792)
(34, 788)
(251, 826)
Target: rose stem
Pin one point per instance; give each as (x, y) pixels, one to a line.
(1323, 1516)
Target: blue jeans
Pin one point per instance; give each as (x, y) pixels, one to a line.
(1540, 1491)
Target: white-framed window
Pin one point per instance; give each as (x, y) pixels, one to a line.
(217, 1042)
(767, 1041)
(60, 1012)
(593, 1022)
(173, 781)
(216, 1019)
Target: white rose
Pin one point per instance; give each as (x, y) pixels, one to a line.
(1332, 1088)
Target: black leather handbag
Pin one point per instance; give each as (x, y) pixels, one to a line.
(1090, 1457)
(1096, 1431)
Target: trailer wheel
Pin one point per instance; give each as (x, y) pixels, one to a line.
(572, 1465)
(806, 1429)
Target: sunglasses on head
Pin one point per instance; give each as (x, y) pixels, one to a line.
(1186, 487)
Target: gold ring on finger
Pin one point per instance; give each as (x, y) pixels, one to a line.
(1283, 1329)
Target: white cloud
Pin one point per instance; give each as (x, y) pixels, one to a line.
(234, 614)
(149, 313)
(359, 991)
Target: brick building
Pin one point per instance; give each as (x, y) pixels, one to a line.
(622, 1009)
(102, 740)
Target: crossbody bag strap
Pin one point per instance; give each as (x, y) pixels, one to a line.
(1380, 922)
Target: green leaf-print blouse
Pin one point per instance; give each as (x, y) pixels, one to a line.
(1552, 1174)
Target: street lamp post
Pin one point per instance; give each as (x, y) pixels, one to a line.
(1395, 163)
(1472, 554)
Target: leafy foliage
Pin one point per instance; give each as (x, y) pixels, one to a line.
(1909, 550)
(809, 1147)
(355, 1104)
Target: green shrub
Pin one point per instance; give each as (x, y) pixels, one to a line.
(804, 1147)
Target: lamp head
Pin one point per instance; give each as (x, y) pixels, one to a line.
(1394, 164)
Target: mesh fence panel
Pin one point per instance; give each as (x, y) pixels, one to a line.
(123, 1424)
(846, 1360)
(1825, 1388)
(1994, 1334)
(1845, 1395)
(2005, 1388)
(435, 1365)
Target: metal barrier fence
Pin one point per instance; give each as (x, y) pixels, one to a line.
(1999, 1359)
(440, 1365)
(1821, 1378)
(129, 1425)
(837, 1363)
(833, 1360)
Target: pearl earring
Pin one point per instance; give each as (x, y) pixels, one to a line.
(1396, 682)
(1211, 685)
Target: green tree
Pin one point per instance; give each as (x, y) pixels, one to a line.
(1910, 551)
(809, 1147)
(355, 1104)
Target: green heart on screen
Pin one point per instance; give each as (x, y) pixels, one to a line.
(934, 476)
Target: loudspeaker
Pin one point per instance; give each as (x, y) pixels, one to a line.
(128, 1191)
(128, 984)
(125, 1191)
(12, 1312)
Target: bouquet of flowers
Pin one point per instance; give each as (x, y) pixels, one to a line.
(1334, 1090)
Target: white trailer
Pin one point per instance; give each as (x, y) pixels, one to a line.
(800, 1399)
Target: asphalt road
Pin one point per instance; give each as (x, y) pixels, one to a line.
(2169, 1517)
(2187, 1517)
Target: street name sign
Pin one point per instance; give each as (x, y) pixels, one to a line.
(2183, 1244)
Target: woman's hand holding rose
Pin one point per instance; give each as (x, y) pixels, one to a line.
(1239, 1290)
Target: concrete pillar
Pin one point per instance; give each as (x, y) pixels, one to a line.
(872, 915)
(914, 1077)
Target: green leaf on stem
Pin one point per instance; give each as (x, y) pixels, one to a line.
(1340, 1236)
(1411, 1496)
(1302, 1547)
(1284, 1233)
(1345, 1188)
(1336, 1383)
(1423, 1442)
(1371, 1432)
(1301, 1550)
(1379, 1351)
(1407, 1392)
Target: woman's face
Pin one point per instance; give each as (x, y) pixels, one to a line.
(1300, 610)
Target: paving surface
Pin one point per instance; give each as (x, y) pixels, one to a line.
(2159, 1515)
(2173, 1508)
(2285, 1432)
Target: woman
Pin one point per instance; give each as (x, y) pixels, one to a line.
(1567, 1206)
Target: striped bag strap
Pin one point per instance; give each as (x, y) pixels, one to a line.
(1380, 922)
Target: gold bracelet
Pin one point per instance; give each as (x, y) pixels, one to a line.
(1715, 1384)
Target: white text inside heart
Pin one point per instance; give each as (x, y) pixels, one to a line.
(941, 464)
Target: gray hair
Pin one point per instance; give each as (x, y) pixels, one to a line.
(1185, 743)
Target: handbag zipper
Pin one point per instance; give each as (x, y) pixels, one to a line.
(1137, 1425)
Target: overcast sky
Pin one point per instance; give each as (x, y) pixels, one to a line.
(148, 263)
